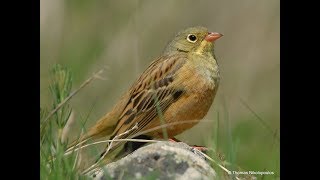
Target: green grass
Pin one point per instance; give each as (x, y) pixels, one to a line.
(53, 163)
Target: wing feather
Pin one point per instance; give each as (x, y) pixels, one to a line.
(154, 84)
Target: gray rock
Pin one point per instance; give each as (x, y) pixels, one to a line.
(163, 160)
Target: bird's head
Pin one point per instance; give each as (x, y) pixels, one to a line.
(194, 39)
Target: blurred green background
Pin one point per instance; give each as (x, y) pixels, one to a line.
(125, 36)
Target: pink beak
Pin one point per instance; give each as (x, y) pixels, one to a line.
(212, 36)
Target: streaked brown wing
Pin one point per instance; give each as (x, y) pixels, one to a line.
(154, 85)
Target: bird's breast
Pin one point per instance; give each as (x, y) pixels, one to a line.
(199, 81)
(201, 73)
(200, 87)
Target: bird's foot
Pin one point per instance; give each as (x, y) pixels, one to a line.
(200, 148)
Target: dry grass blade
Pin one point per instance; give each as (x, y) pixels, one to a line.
(134, 140)
(77, 155)
(212, 160)
(116, 137)
(93, 167)
(74, 149)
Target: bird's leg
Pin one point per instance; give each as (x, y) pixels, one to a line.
(200, 148)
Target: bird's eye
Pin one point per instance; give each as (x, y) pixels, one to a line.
(192, 38)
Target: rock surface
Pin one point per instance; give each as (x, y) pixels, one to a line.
(163, 160)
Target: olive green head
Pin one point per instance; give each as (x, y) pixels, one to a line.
(192, 39)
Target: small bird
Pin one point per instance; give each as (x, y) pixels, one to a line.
(177, 88)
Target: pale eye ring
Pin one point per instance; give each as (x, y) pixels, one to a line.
(192, 38)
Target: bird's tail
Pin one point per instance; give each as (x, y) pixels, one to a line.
(98, 131)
